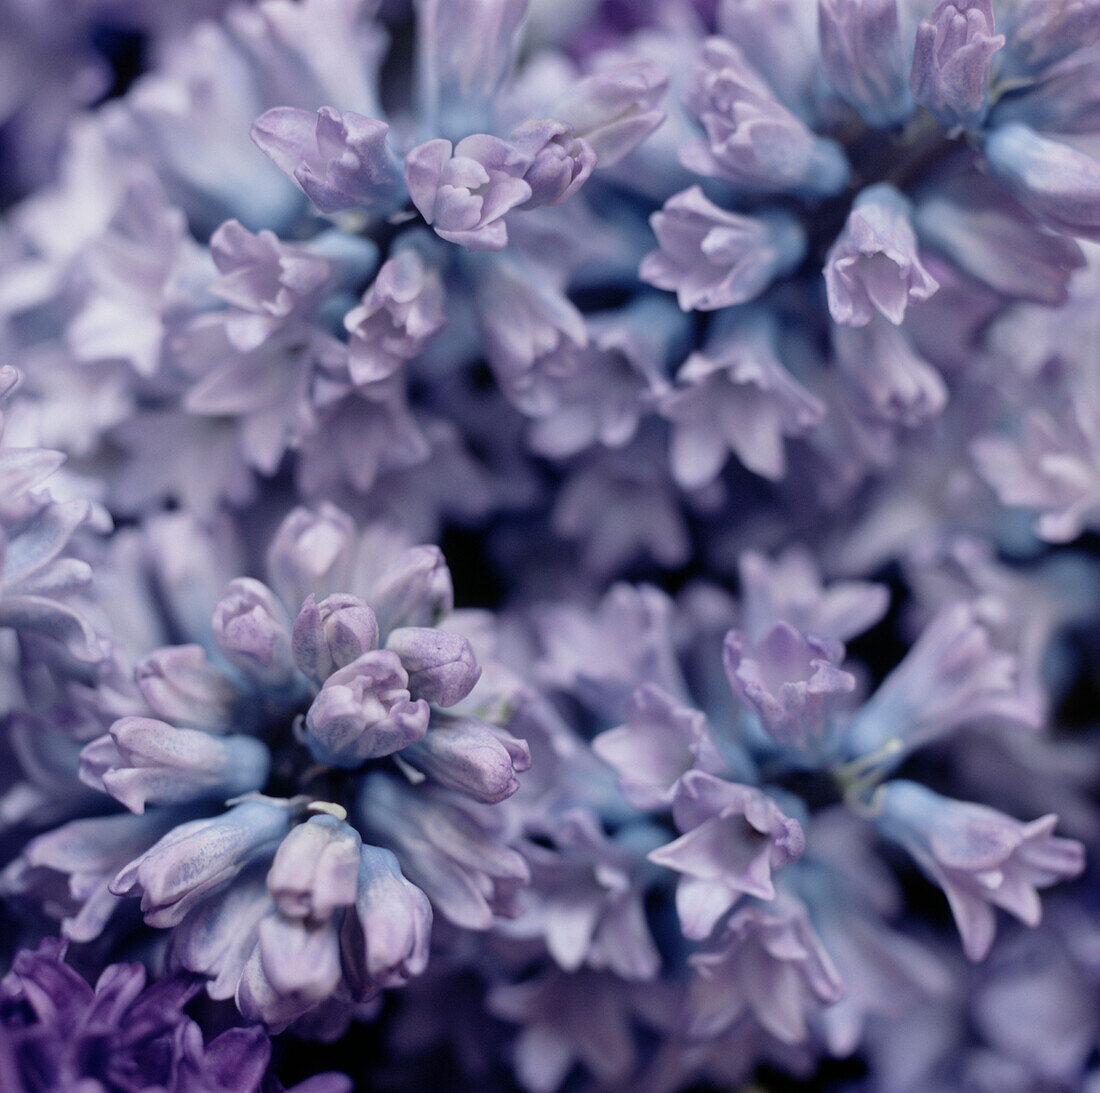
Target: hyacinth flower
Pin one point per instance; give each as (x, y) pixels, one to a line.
(750, 861)
(123, 1033)
(266, 326)
(525, 150)
(739, 354)
(308, 708)
(39, 576)
(979, 857)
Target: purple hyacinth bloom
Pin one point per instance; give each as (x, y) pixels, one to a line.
(792, 681)
(60, 1033)
(952, 54)
(767, 961)
(790, 589)
(594, 292)
(1050, 465)
(441, 665)
(978, 856)
(447, 846)
(985, 233)
(293, 968)
(364, 711)
(471, 757)
(269, 283)
(874, 263)
(252, 629)
(560, 160)
(734, 836)
(38, 574)
(864, 58)
(585, 899)
(143, 761)
(362, 433)
(409, 587)
(781, 37)
(893, 381)
(527, 325)
(340, 160)
(620, 507)
(584, 1017)
(660, 741)
(952, 675)
(616, 108)
(311, 553)
(1052, 179)
(89, 853)
(1044, 32)
(384, 940)
(603, 391)
(181, 686)
(736, 396)
(603, 655)
(463, 191)
(751, 139)
(202, 857)
(712, 258)
(331, 634)
(216, 939)
(400, 313)
(315, 871)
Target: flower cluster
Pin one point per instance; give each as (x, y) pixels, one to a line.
(736, 356)
(58, 1032)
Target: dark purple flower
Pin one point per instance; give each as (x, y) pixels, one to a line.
(57, 1032)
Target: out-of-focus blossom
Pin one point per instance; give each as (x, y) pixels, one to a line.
(768, 962)
(712, 258)
(864, 57)
(951, 61)
(123, 1033)
(980, 857)
(341, 160)
(751, 139)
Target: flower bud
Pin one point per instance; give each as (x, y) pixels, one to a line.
(385, 941)
(294, 967)
(199, 858)
(182, 686)
(464, 191)
(339, 159)
(791, 680)
(143, 761)
(712, 258)
(311, 552)
(441, 665)
(364, 711)
(472, 757)
(316, 869)
(414, 590)
(252, 629)
(400, 312)
(561, 161)
(331, 634)
(951, 61)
